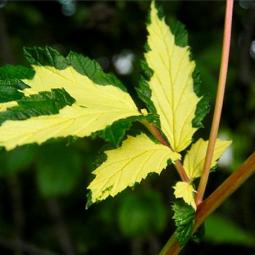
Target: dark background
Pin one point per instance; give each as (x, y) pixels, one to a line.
(43, 189)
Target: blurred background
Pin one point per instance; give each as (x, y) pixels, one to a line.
(43, 189)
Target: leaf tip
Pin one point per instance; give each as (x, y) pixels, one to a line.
(185, 191)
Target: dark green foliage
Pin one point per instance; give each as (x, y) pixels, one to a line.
(17, 84)
(115, 132)
(17, 160)
(219, 229)
(199, 235)
(10, 82)
(93, 70)
(180, 33)
(184, 218)
(202, 109)
(143, 90)
(203, 105)
(9, 72)
(45, 56)
(9, 93)
(142, 213)
(43, 103)
(58, 169)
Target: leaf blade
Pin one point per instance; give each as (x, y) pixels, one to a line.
(185, 191)
(184, 217)
(129, 164)
(171, 83)
(194, 159)
(95, 108)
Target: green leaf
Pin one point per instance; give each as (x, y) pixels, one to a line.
(203, 105)
(142, 213)
(58, 169)
(184, 217)
(222, 230)
(117, 131)
(143, 90)
(43, 103)
(17, 160)
(45, 56)
(93, 70)
(10, 82)
(9, 93)
(10, 72)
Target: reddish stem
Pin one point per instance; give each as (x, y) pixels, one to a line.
(208, 206)
(219, 101)
(157, 134)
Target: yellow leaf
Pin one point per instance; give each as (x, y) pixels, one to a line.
(171, 83)
(133, 161)
(195, 157)
(4, 106)
(185, 191)
(96, 107)
(85, 92)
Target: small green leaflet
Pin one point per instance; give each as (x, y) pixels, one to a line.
(184, 217)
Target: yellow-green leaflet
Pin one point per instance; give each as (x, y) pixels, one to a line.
(95, 108)
(4, 106)
(133, 161)
(171, 83)
(185, 191)
(195, 157)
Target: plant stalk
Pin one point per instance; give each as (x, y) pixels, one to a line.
(219, 101)
(157, 134)
(209, 205)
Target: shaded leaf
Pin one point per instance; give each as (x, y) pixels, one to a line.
(184, 217)
(58, 170)
(142, 213)
(222, 230)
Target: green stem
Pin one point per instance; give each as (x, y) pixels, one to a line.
(158, 135)
(209, 205)
(219, 101)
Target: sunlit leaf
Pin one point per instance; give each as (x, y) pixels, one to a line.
(129, 164)
(171, 83)
(195, 157)
(185, 191)
(98, 100)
